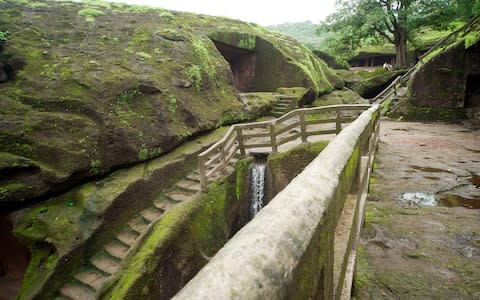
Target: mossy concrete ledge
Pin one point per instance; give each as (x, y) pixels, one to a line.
(286, 251)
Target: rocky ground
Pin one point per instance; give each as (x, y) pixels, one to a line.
(422, 231)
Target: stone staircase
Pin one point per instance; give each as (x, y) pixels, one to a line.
(102, 268)
(284, 105)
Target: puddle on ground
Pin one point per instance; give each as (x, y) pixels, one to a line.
(430, 169)
(448, 200)
(418, 198)
(452, 200)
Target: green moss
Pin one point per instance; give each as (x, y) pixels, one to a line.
(172, 104)
(241, 168)
(194, 75)
(42, 260)
(166, 15)
(205, 61)
(95, 165)
(405, 109)
(144, 55)
(471, 39)
(37, 5)
(364, 274)
(140, 37)
(232, 117)
(376, 215)
(171, 34)
(90, 12)
(128, 95)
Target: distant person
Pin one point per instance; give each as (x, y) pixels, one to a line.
(388, 67)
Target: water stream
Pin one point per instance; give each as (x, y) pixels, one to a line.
(257, 187)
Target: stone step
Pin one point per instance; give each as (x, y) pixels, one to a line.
(193, 177)
(189, 185)
(138, 224)
(105, 263)
(92, 278)
(283, 105)
(180, 196)
(127, 237)
(163, 204)
(151, 214)
(77, 291)
(117, 249)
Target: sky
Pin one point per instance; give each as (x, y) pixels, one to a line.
(257, 11)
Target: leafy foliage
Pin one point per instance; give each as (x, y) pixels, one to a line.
(373, 22)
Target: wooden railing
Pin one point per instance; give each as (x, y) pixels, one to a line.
(309, 232)
(297, 124)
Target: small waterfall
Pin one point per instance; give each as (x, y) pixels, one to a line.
(257, 188)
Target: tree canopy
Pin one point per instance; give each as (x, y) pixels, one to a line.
(377, 21)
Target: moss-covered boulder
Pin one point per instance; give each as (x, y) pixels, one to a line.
(96, 86)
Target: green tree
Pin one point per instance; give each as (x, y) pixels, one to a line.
(391, 20)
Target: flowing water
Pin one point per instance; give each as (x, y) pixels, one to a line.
(257, 188)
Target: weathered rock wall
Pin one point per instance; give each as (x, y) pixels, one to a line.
(442, 81)
(99, 86)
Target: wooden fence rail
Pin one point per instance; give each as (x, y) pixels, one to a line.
(300, 123)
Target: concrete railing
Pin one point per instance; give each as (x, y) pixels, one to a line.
(302, 245)
(299, 123)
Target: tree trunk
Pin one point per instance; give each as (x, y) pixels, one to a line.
(400, 39)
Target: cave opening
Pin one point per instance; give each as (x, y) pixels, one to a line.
(472, 91)
(14, 260)
(242, 64)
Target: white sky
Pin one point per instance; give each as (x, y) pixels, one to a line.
(258, 11)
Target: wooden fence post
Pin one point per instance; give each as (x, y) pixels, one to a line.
(338, 122)
(202, 171)
(241, 145)
(303, 127)
(273, 137)
(223, 159)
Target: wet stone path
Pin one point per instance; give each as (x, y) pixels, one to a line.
(422, 229)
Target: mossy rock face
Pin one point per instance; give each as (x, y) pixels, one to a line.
(441, 81)
(280, 61)
(96, 87)
(284, 166)
(65, 230)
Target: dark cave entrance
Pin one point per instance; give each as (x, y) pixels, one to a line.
(14, 259)
(373, 91)
(472, 91)
(242, 64)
